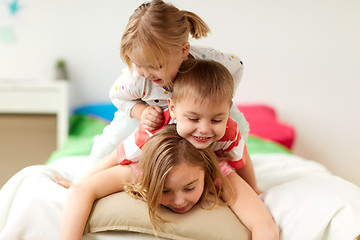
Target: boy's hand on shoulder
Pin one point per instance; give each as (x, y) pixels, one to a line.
(152, 118)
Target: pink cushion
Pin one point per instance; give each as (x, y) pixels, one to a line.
(264, 123)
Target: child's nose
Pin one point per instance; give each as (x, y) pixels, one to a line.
(148, 74)
(204, 127)
(178, 199)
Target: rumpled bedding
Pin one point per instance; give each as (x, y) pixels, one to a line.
(305, 199)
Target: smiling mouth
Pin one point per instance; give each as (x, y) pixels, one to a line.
(157, 80)
(182, 209)
(202, 139)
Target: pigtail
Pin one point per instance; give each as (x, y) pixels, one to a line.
(198, 28)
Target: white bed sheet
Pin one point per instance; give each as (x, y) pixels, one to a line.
(306, 200)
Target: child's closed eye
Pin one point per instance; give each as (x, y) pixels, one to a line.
(216, 120)
(156, 67)
(190, 189)
(193, 119)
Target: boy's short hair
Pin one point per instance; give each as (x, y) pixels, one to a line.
(203, 80)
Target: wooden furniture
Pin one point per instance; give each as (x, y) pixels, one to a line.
(33, 123)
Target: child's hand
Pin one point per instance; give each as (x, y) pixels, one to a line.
(152, 118)
(63, 181)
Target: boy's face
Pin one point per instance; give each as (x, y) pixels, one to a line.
(200, 123)
(159, 76)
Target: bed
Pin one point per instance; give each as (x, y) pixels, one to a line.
(306, 200)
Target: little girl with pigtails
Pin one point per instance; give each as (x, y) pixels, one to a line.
(153, 46)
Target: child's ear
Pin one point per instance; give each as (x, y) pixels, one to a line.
(185, 50)
(171, 108)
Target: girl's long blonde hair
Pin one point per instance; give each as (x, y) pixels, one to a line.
(160, 154)
(157, 27)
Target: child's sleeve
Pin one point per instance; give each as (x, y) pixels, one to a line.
(113, 134)
(233, 63)
(232, 146)
(237, 151)
(130, 150)
(127, 90)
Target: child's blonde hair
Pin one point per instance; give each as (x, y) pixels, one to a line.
(157, 27)
(161, 153)
(202, 80)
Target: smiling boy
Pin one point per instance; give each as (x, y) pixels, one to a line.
(200, 107)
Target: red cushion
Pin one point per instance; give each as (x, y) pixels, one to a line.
(264, 123)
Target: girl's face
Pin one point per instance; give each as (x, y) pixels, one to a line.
(183, 187)
(159, 76)
(201, 123)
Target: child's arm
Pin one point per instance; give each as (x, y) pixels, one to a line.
(248, 174)
(251, 210)
(237, 152)
(82, 195)
(131, 93)
(151, 117)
